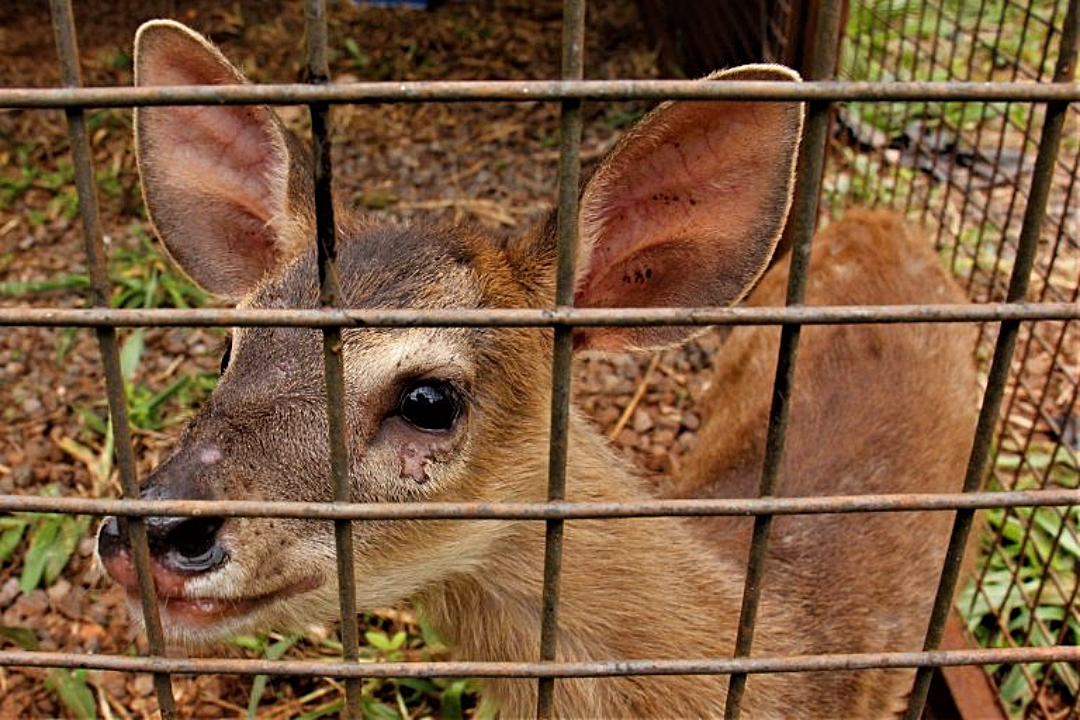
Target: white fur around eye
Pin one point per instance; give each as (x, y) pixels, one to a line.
(374, 363)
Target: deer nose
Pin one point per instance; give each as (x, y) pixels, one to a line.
(182, 545)
(187, 545)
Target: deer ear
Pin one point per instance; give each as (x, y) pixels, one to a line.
(227, 187)
(686, 210)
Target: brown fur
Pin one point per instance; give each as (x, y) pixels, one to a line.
(876, 408)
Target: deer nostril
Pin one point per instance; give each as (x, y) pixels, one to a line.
(111, 537)
(187, 545)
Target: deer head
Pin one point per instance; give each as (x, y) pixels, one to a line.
(686, 210)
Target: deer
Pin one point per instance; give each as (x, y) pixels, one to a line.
(686, 210)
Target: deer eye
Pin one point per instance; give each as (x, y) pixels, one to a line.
(431, 406)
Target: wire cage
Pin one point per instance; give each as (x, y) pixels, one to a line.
(964, 169)
(962, 114)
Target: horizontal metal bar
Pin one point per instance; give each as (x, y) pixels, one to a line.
(513, 317)
(598, 668)
(533, 90)
(740, 507)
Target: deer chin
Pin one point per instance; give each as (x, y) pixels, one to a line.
(193, 613)
(209, 615)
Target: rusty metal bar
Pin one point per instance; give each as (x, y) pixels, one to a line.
(593, 669)
(536, 318)
(570, 126)
(330, 296)
(67, 48)
(738, 507)
(1003, 351)
(533, 90)
(801, 226)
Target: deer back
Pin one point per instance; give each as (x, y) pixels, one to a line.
(876, 408)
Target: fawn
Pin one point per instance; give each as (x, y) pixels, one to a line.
(686, 210)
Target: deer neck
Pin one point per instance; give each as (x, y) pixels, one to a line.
(634, 588)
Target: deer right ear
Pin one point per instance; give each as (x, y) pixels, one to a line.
(686, 210)
(226, 187)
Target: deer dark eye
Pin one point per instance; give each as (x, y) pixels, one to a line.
(431, 406)
(226, 355)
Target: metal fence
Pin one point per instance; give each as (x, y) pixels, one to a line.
(960, 167)
(1008, 319)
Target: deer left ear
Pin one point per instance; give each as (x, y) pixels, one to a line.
(226, 187)
(686, 210)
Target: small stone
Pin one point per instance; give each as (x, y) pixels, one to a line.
(9, 591)
(22, 476)
(58, 590)
(142, 686)
(663, 438)
(642, 421)
(691, 421)
(669, 419)
(607, 417)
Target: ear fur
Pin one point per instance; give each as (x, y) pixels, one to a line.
(227, 188)
(687, 209)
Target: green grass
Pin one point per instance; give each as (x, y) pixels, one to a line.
(889, 40)
(895, 40)
(50, 539)
(1015, 602)
(386, 639)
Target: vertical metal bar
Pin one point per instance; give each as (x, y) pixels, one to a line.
(330, 296)
(801, 230)
(573, 65)
(67, 48)
(1034, 213)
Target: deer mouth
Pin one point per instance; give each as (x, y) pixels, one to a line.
(180, 608)
(201, 612)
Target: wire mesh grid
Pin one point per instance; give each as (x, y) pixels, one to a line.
(961, 167)
(1044, 396)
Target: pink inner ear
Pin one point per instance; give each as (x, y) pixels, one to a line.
(693, 186)
(215, 177)
(229, 152)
